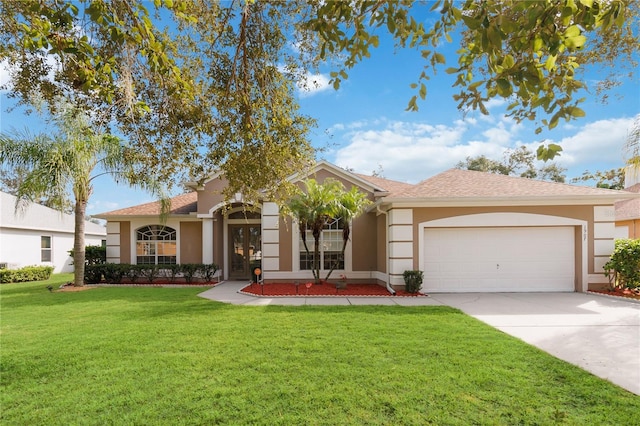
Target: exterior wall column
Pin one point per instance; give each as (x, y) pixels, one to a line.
(207, 240)
(113, 242)
(604, 229)
(270, 238)
(400, 244)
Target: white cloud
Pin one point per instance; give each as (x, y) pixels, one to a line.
(310, 84)
(4, 73)
(600, 142)
(412, 152)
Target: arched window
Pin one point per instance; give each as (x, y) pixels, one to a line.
(156, 245)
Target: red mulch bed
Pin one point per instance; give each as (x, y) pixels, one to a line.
(324, 289)
(621, 292)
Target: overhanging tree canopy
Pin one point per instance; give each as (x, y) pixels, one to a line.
(200, 85)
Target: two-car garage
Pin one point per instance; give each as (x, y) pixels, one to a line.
(499, 259)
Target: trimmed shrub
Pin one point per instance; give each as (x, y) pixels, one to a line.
(93, 274)
(623, 269)
(171, 271)
(189, 271)
(150, 272)
(93, 255)
(412, 281)
(26, 274)
(115, 272)
(208, 271)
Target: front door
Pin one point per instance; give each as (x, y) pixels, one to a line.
(245, 251)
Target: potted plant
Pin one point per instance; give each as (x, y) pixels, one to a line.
(342, 282)
(412, 281)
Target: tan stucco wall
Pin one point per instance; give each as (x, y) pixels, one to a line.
(125, 242)
(364, 235)
(381, 243)
(190, 242)
(285, 244)
(211, 195)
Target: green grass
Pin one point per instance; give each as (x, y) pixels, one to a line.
(164, 356)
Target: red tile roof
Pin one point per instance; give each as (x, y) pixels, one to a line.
(181, 204)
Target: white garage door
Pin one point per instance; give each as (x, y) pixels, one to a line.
(499, 259)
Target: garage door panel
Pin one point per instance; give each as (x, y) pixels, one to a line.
(499, 259)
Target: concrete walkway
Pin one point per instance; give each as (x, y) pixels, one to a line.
(597, 333)
(228, 292)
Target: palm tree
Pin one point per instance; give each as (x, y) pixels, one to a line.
(62, 168)
(350, 205)
(317, 206)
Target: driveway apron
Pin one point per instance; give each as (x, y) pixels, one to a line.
(597, 333)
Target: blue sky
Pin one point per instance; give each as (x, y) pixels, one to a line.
(364, 126)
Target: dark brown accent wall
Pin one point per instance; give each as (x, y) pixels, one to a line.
(364, 238)
(381, 227)
(190, 242)
(125, 242)
(285, 241)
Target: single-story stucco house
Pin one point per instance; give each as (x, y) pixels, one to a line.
(468, 231)
(40, 235)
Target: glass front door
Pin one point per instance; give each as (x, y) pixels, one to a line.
(245, 251)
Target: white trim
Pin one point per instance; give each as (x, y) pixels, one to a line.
(400, 233)
(137, 224)
(550, 200)
(604, 213)
(207, 240)
(508, 220)
(604, 230)
(603, 247)
(400, 217)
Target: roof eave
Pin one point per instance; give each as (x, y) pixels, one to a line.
(500, 201)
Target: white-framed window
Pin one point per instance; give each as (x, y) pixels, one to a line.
(156, 245)
(330, 248)
(45, 248)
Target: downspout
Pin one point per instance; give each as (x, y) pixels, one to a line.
(386, 245)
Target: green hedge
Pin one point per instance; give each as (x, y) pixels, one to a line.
(623, 269)
(28, 273)
(116, 273)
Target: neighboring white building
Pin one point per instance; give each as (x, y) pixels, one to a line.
(40, 235)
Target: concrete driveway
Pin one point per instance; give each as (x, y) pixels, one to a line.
(597, 333)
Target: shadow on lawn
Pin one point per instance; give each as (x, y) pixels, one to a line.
(161, 302)
(164, 300)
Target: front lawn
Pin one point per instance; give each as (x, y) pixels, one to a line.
(138, 355)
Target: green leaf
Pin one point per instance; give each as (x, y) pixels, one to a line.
(413, 105)
(576, 112)
(423, 91)
(452, 70)
(588, 3)
(550, 63)
(439, 57)
(504, 87)
(508, 62)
